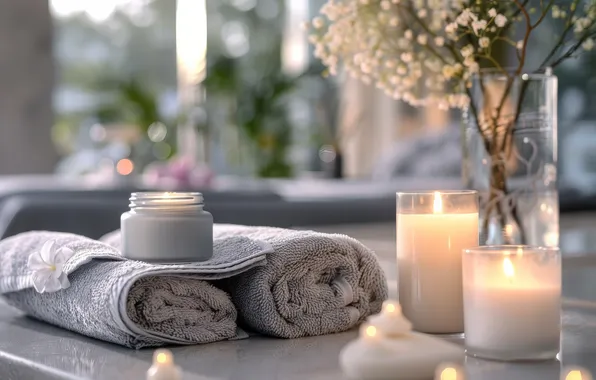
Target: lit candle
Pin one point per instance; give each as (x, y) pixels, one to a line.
(371, 336)
(432, 230)
(576, 373)
(450, 371)
(512, 300)
(163, 367)
(387, 349)
(391, 320)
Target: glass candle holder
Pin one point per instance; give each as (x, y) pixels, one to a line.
(512, 302)
(433, 228)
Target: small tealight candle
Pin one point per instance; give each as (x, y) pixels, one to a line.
(163, 367)
(391, 320)
(512, 302)
(387, 349)
(371, 336)
(576, 373)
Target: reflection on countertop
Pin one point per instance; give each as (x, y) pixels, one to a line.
(35, 350)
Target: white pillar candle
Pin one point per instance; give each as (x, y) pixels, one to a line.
(432, 230)
(512, 301)
(163, 367)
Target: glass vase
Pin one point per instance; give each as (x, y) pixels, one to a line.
(510, 157)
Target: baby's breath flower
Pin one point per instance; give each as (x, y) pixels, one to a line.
(318, 22)
(556, 11)
(478, 25)
(412, 58)
(471, 64)
(519, 45)
(451, 28)
(448, 71)
(581, 24)
(467, 50)
(500, 20)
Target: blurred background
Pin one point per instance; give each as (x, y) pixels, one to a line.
(199, 94)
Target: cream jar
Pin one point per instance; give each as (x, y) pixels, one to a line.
(167, 228)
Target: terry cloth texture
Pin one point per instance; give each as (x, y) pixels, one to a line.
(313, 283)
(128, 302)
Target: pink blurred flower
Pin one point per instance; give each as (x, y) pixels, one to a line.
(178, 173)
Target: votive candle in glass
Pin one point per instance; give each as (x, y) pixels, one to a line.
(433, 228)
(512, 302)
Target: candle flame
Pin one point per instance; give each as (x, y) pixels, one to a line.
(574, 375)
(371, 331)
(449, 374)
(577, 373)
(163, 357)
(389, 307)
(508, 267)
(449, 371)
(437, 203)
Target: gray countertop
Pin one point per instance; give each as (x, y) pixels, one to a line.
(31, 350)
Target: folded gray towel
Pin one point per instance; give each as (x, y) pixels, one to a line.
(128, 302)
(313, 283)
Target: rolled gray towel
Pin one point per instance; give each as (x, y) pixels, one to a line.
(127, 302)
(313, 283)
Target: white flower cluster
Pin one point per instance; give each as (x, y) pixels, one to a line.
(585, 25)
(419, 51)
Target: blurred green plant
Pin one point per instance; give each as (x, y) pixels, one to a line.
(133, 104)
(260, 112)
